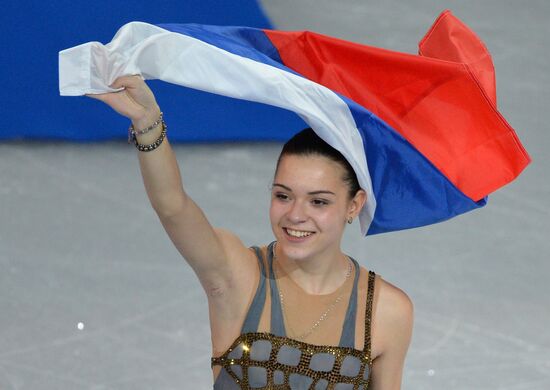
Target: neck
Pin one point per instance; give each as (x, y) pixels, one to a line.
(323, 273)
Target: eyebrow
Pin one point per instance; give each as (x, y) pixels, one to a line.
(309, 193)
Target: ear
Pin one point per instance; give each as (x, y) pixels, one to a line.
(357, 203)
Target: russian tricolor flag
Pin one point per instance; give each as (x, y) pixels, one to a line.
(422, 132)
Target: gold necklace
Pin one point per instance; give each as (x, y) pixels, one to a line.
(323, 316)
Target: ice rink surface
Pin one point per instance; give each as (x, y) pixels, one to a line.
(79, 243)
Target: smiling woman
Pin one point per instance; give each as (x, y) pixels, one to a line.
(315, 192)
(326, 320)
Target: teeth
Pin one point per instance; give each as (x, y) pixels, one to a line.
(297, 233)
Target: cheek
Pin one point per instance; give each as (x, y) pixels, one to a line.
(328, 220)
(275, 211)
(332, 219)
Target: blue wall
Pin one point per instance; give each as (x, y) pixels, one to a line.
(32, 33)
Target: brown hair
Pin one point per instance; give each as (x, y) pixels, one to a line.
(307, 143)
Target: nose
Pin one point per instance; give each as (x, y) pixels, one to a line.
(297, 213)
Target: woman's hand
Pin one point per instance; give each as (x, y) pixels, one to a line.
(136, 101)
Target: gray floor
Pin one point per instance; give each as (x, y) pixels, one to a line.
(80, 244)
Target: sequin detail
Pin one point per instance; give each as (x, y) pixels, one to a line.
(237, 360)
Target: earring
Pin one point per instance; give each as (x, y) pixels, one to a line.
(350, 220)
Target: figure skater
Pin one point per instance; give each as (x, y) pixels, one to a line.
(298, 312)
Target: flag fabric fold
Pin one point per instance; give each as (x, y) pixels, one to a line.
(422, 132)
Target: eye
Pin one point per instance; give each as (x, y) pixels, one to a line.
(281, 196)
(319, 202)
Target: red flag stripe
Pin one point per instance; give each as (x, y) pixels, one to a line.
(439, 106)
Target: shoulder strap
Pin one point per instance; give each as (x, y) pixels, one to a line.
(252, 319)
(277, 325)
(368, 313)
(347, 338)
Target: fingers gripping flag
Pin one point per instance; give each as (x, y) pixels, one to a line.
(422, 132)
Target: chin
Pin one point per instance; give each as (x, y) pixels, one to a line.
(297, 249)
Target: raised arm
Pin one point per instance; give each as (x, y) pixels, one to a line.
(209, 251)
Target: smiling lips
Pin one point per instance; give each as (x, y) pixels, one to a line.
(297, 233)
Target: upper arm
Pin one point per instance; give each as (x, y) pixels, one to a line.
(395, 321)
(211, 252)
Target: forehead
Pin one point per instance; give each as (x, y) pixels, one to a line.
(310, 173)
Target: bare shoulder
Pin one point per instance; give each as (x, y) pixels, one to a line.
(393, 313)
(229, 301)
(394, 305)
(241, 261)
(393, 316)
(391, 302)
(231, 243)
(229, 298)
